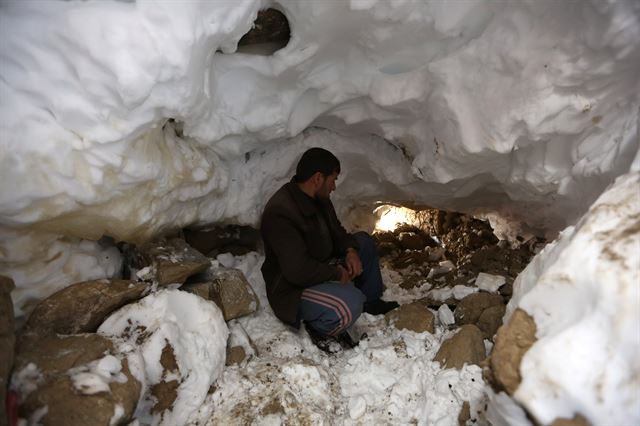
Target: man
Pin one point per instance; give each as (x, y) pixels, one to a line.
(314, 270)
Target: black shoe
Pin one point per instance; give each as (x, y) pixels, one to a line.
(326, 344)
(379, 307)
(346, 341)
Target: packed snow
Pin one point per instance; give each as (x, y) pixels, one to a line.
(583, 293)
(191, 329)
(388, 378)
(128, 119)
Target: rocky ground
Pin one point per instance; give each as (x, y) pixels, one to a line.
(418, 364)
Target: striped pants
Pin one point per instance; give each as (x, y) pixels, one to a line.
(330, 308)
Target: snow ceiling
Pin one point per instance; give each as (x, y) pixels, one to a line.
(529, 109)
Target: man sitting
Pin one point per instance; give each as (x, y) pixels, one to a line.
(314, 270)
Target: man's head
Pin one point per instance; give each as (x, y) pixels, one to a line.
(317, 171)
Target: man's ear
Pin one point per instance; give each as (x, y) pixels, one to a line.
(317, 178)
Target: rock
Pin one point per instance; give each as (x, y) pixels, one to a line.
(470, 308)
(385, 248)
(465, 347)
(506, 290)
(55, 353)
(235, 355)
(465, 414)
(411, 258)
(385, 237)
(199, 289)
(436, 254)
(168, 261)
(270, 26)
(229, 289)
(443, 268)
(413, 316)
(239, 337)
(490, 320)
(64, 363)
(7, 338)
(511, 343)
(82, 307)
(412, 281)
(233, 239)
(411, 241)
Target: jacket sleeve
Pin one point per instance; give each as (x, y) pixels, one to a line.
(343, 240)
(289, 246)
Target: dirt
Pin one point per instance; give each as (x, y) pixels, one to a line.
(469, 243)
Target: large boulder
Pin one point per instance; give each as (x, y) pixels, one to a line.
(511, 343)
(229, 289)
(81, 307)
(169, 261)
(465, 347)
(413, 316)
(7, 338)
(471, 307)
(74, 380)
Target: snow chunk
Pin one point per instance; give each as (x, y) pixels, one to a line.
(96, 376)
(445, 315)
(197, 333)
(26, 380)
(583, 294)
(490, 283)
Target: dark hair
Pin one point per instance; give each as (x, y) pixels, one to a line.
(316, 160)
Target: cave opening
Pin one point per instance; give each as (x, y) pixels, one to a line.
(270, 32)
(434, 253)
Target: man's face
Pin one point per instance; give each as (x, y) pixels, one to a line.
(327, 186)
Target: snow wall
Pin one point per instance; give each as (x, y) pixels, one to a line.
(130, 119)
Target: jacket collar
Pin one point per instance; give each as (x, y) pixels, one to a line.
(307, 204)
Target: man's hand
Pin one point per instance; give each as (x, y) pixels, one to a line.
(344, 274)
(353, 263)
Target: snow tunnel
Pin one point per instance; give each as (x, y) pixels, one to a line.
(490, 148)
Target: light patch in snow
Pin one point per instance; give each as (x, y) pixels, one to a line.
(26, 380)
(118, 413)
(226, 260)
(96, 376)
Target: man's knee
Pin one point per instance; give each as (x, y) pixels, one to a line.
(337, 309)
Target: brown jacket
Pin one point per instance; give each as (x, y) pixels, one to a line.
(301, 235)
